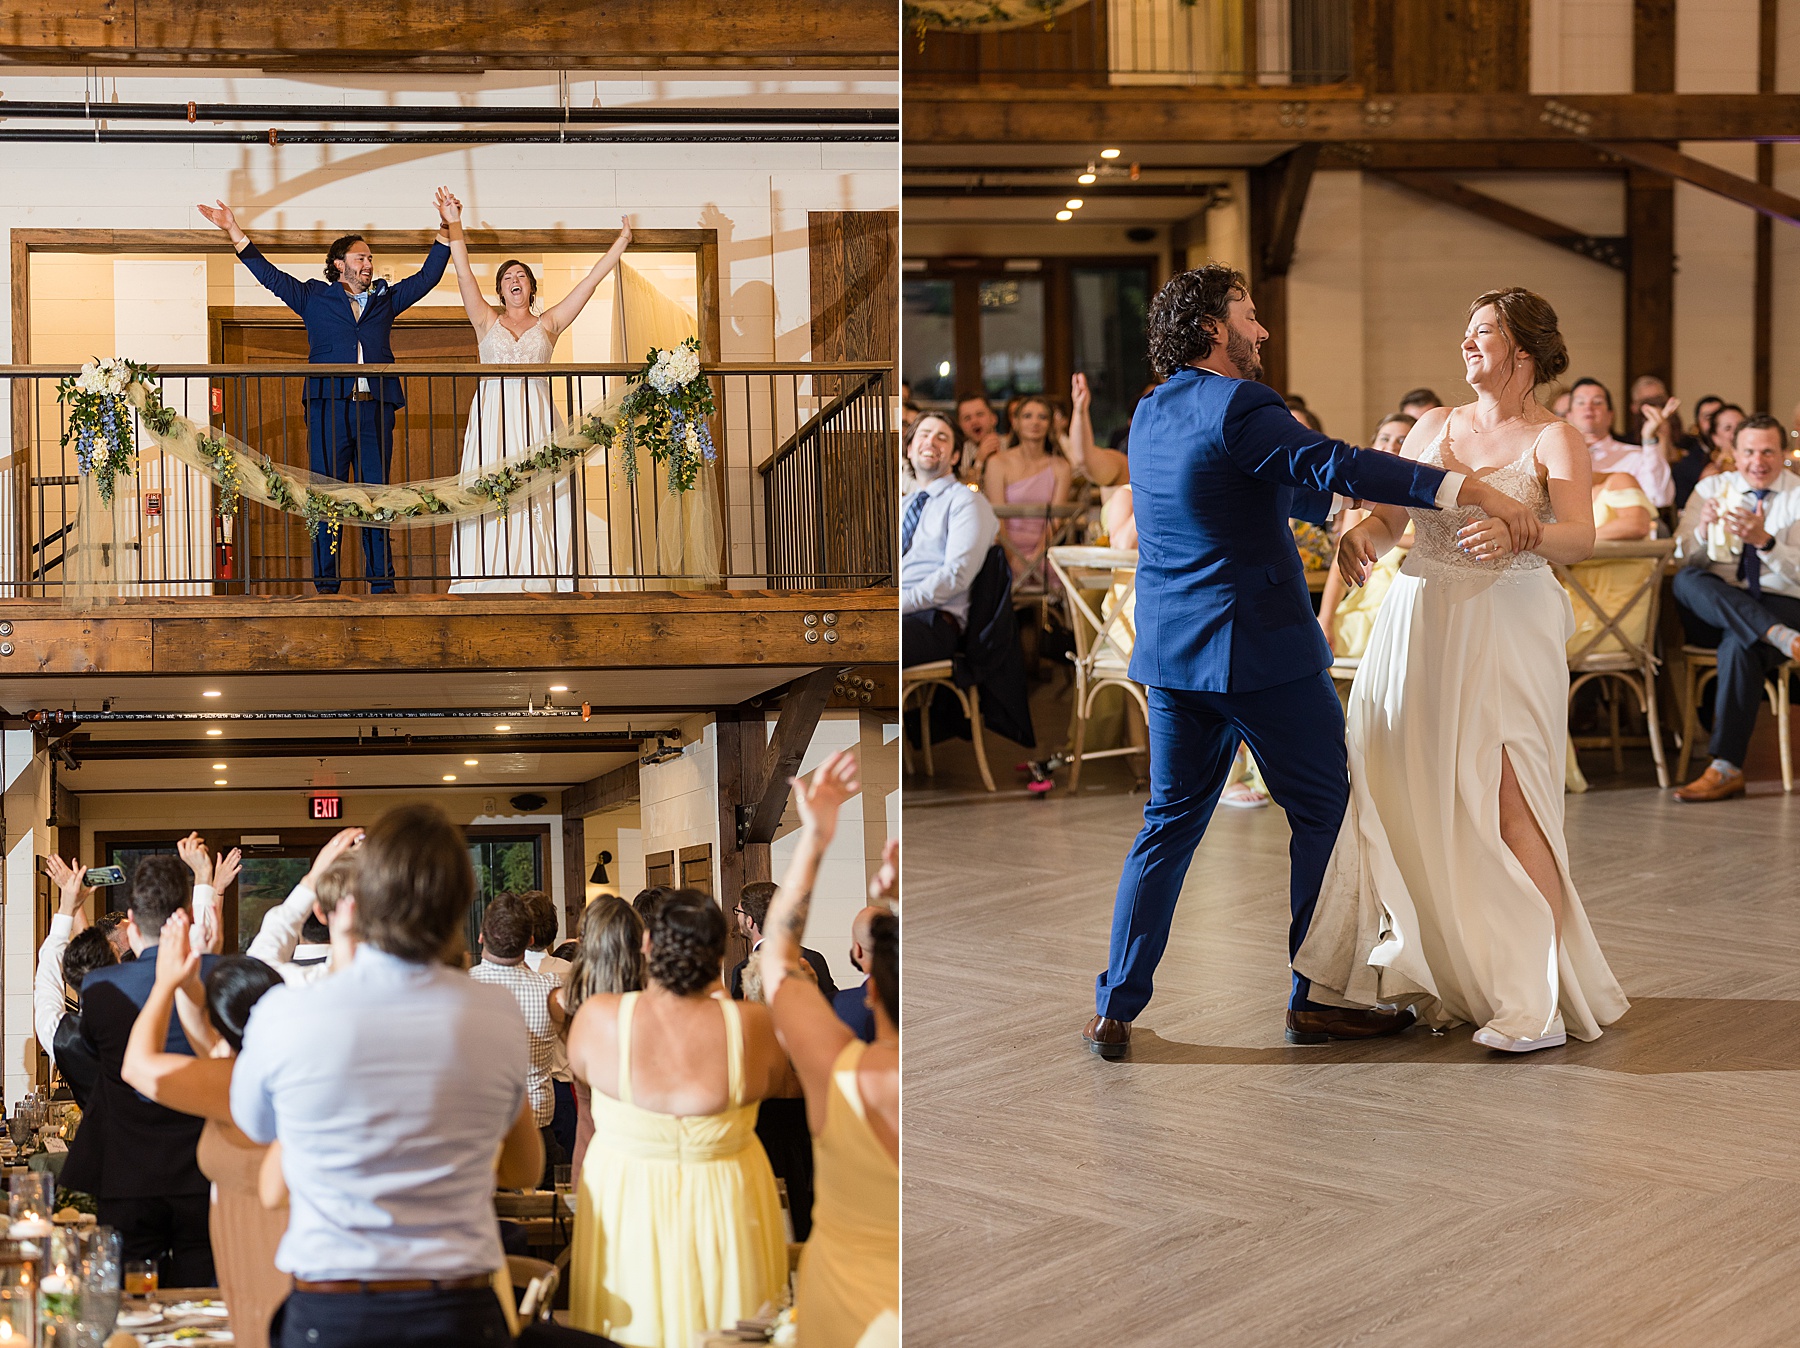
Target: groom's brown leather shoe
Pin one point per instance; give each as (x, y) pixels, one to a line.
(1711, 785)
(1109, 1038)
(1316, 1027)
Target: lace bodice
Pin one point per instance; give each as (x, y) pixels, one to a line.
(1434, 531)
(500, 347)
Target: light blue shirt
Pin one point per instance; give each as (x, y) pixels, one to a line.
(390, 1086)
(956, 528)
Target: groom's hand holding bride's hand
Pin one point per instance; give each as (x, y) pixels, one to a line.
(1524, 529)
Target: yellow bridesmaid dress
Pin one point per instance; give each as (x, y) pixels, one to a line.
(850, 1271)
(678, 1221)
(1355, 615)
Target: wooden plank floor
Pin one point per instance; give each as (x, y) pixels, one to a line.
(1222, 1188)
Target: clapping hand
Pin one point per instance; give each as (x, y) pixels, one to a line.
(818, 800)
(1748, 525)
(177, 954)
(68, 879)
(1655, 416)
(1080, 397)
(226, 869)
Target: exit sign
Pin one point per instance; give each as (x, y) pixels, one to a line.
(327, 807)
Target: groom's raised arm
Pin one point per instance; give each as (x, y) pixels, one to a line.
(273, 279)
(1263, 438)
(421, 283)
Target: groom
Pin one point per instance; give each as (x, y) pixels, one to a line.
(349, 421)
(1227, 645)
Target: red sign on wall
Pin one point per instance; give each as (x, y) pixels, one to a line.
(327, 807)
(153, 503)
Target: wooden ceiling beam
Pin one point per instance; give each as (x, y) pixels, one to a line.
(446, 36)
(1609, 252)
(991, 114)
(1745, 191)
(1468, 156)
(609, 789)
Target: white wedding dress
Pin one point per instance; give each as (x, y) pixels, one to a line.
(531, 546)
(1423, 901)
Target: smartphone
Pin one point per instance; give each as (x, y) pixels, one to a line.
(98, 877)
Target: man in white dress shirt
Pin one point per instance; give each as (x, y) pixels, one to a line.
(1591, 413)
(294, 938)
(1740, 590)
(506, 931)
(945, 533)
(391, 1086)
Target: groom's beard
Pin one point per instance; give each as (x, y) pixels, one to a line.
(1241, 352)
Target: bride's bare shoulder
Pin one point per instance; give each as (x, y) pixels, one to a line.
(1425, 430)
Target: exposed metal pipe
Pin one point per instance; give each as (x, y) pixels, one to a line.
(598, 742)
(440, 112)
(40, 718)
(274, 136)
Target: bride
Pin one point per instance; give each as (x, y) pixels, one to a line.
(1450, 885)
(532, 546)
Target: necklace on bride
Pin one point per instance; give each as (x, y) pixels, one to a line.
(1476, 429)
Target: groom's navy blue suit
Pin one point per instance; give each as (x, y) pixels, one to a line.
(1227, 644)
(346, 426)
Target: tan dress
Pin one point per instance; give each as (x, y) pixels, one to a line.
(244, 1233)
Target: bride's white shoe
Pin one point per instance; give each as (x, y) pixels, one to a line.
(1554, 1037)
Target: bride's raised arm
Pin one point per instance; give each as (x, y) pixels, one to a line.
(480, 312)
(566, 310)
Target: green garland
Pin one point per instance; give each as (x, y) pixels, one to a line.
(667, 412)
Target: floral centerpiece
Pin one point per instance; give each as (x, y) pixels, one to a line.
(667, 413)
(100, 419)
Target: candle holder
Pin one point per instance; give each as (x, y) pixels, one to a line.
(28, 1205)
(18, 1295)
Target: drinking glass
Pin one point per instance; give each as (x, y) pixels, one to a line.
(140, 1278)
(102, 1270)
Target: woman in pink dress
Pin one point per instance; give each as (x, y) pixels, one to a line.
(1030, 471)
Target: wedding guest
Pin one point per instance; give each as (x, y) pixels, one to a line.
(1418, 402)
(981, 439)
(678, 1223)
(112, 926)
(609, 958)
(781, 1124)
(1725, 425)
(135, 1156)
(63, 962)
(349, 421)
(1346, 615)
(392, 1085)
(1030, 471)
(244, 1233)
(853, 1005)
(945, 533)
(295, 938)
(1739, 590)
(556, 968)
(752, 908)
(1695, 451)
(648, 900)
(506, 931)
(850, 1270)
(1591, 413)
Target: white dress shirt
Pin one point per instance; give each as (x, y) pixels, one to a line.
(49, 1003)
(557, 971)
(277, 941)
(1644, 462)
(391, 1086)
(954, 533)
(1781, 514)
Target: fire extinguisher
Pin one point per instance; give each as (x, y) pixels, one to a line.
(224, 549)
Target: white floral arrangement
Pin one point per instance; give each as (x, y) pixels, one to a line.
(675, 369)
(100, 419)
(668, 411)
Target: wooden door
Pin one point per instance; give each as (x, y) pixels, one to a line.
(274, 550)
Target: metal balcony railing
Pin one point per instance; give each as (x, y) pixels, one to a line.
(802, 493)
(1110, 43)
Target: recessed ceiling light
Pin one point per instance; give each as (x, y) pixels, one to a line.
(470, 762)
(218, 781)
(1074, 203)
(212, 692)
(1085, 179)
(215, 732)
(218, 767)
(502, 727)
(1109, 154)
(1065, 215)
(449, 776)
(559, 687)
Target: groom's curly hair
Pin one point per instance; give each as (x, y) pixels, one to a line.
(335, 255)
(1188, 315)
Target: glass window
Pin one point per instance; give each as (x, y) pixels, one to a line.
(928, 342)
(262, 884)
(1012, 337)
(1108, 337)
(117, 898)
(502, 866)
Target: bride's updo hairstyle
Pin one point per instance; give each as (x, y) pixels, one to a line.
(1180, 331)
(500, 276)
(1531, 324)
(687, 942)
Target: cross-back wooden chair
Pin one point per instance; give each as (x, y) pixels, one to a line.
(1617, 642)
(1099, 589)
(1063, 526)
